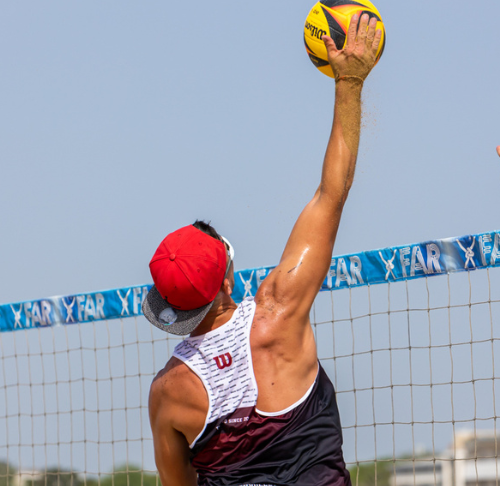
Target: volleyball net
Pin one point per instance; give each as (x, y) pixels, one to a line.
(407, 334)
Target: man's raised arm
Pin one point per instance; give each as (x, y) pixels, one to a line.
(306, 259)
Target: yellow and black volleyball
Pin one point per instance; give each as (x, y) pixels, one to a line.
(332, 18)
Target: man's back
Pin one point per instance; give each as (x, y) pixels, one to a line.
(241, 443)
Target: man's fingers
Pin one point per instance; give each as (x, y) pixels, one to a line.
(376, 41)
(498, 150)
(351, 33)
(329, 44)
(371, 32)
(363, 25)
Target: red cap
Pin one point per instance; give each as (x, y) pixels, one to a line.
(188, 268)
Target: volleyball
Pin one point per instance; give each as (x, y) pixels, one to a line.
(332, 18)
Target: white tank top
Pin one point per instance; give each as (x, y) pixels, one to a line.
(241, 445)
(222, 359)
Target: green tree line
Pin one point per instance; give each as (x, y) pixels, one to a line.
(369, 474)
(122, 476)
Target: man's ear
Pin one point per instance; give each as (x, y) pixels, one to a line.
(226, 286)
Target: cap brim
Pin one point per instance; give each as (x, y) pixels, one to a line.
(186, 322)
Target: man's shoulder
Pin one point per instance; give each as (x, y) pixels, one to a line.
(275, 321)
(176, 384)
(178, 400)
(166, 383)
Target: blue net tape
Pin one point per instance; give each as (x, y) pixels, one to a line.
(395, 264)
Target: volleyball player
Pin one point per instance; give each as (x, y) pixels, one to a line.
(244, 400)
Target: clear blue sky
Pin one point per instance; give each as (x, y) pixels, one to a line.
(122, 121)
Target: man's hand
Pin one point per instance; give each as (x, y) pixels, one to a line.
(498, 150)
(359, 54)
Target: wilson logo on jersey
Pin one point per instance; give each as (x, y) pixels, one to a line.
(223, 361)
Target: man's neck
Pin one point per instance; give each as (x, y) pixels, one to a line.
(220, 313)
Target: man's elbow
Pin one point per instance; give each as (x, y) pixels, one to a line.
(345, 195)
(336, 197)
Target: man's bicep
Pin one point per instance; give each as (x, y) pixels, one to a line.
(315, 230)
(172, 458)
(306, 259)
(172, 453)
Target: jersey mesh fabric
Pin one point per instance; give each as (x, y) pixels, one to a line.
(240, 447)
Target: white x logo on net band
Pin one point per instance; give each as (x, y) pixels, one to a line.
(17, 316)
(389, 266)
(469, 253)
(124, 302)
(69, 310)
(247, 284)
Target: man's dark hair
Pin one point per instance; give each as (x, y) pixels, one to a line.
(207, 228)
